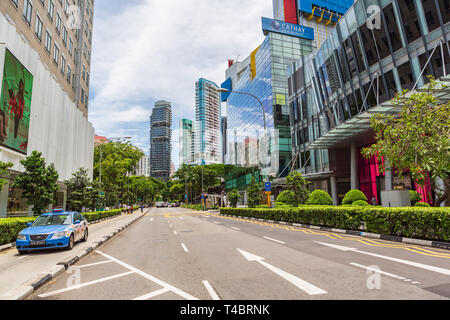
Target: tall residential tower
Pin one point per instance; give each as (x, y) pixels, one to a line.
(160, 140)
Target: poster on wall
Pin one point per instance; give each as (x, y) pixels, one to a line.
(15, 103)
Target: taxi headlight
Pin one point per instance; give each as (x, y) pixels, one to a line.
(21, 237)
(61, 234)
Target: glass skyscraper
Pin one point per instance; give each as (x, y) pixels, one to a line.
(187, 142)
(160, 140)
(362, 65)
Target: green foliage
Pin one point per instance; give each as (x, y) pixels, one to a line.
(319, 198)
(77, 190)
(196, 207)
(254, 193)
(280, 204)
(233, 198)
(417, 139)
(360, 203)
(422, 204)
(297, 184)
(38, 182)
(415, 197)
(286, 197)
(354, 195)
(411, 222)
(4, 166)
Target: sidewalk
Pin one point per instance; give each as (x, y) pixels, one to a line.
(22, 274)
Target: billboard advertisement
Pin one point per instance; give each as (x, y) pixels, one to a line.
(15, 103)
(295, 30)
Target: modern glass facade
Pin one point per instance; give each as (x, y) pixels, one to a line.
(358, 67)
(160, 140)
(265, 78)
(186, 141)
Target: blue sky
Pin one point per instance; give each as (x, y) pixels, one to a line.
(147, 50)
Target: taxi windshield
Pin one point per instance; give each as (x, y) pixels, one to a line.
(53, 220)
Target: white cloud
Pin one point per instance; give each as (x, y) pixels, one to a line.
(150, 50)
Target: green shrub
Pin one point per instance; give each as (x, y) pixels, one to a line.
(415, 197)
(197, 207)
(360, 203)
(319, 198)
(354, 195)
(411, 222)
(422, 204)
(281, 205)
(286, 197)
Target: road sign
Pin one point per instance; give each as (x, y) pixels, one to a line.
(101, 193)
(268, 186)
(186, 196)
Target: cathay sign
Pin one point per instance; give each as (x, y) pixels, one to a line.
(270, 25)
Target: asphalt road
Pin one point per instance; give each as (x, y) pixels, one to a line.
(173, 254)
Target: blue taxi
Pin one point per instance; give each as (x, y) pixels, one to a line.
(54, 230)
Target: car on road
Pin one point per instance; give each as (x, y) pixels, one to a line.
(160, 204)
(54, 230)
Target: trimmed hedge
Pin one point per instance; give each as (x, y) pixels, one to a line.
(319, 198)
(422, 204)
(415, 197)
(360, 203)
(10, 227)
(286, 197)
(354, 195)
(411, 222)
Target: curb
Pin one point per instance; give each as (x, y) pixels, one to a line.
(27, 289)
(427, 243)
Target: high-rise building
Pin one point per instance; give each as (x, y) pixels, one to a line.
(208, 147)
(45, 60)
(161, 140)
(258, 137)
(224, 136)
(358, 70)
(143, 167)
(187, 142)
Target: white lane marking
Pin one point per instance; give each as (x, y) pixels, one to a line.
(274, 240)
(211, 291)
(151, 219)
(379, 271)
(415, 282)
(149, 277)
(152, 294)
(170, 226)
(78, 286)
(175, 232)
(181, 218)
(236, 228)
(411, 263)
(95, 264)
(299, 283)
(184, 247)
(21, 258)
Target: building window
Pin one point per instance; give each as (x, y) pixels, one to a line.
(58, 23)
(27, 11)
(48, 42)
(38, 30)
(51, 9)
(431, 14)
(87, 78)
(84, 73)
(410, 20)
(15, 2)
(392, 27)
(70, 45)
(64, 36)
(82, 95)
(63, 64)
(66, 7)
(69, 73)
(56, 54)
(444, 7)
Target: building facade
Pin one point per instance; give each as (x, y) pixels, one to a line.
(187, 142)
(361, 66)
(44, 71)
(161, 140)
(143, 167)
(208, 144)
(260, 141)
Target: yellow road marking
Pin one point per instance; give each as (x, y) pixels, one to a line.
(368, 242)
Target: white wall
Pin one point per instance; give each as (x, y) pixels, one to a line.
(57, 128)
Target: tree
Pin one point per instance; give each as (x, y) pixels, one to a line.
(233, 197)
(417, 139)
(297, 183)
(254, 193)
(77, 190)
(38, 182)
(4, 166)
(287, 197)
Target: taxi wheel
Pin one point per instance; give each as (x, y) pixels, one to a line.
(86, 234)
(21, 252)
(71, 242)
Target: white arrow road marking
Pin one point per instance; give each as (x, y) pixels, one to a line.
(94, 264)
(174, 232)
(211, 291)
(299, 283)
(236, 228)
(184, 247)
(274, 240)
(151, 219)
(411, 263)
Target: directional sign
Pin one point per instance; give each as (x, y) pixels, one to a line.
(186, 196)
(299, 283)
(268, 186)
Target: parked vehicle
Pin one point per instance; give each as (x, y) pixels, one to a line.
(55, 230)
(160, 204)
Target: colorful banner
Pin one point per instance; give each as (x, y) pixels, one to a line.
(15, 104)
(295, 30)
